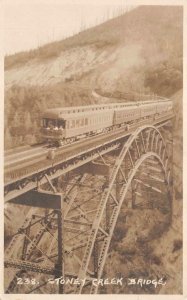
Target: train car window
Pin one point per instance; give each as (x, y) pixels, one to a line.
(60, 123)
(73, 124)
(44, 123)
(86, 121)
(50, 123)
(77, 123)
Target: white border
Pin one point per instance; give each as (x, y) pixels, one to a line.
(117, 297)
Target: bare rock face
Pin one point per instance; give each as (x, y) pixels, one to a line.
(109, 56)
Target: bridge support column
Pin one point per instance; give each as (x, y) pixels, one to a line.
(47, 200)
(60, 263)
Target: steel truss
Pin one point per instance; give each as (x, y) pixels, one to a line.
(80, 232)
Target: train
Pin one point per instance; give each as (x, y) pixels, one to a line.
(68, 124)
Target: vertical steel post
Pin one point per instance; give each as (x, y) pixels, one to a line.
(25, 243)
(133, 194)
(107, 207)
(118, 186)
(60, 263)
(96, 258)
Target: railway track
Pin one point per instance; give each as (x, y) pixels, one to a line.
(18, 156)
(37, 162)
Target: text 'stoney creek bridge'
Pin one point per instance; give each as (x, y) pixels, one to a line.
(73, 201)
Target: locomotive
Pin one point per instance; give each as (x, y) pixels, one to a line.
(68, 124)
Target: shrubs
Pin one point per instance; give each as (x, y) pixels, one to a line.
(165, 78)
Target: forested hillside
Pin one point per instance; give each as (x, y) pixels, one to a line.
(138, 52)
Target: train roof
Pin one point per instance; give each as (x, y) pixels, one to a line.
(60, 112)
(55, 114)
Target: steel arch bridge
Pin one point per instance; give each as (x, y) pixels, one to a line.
(136, 175)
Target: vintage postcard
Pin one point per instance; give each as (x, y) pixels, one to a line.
(93, 149)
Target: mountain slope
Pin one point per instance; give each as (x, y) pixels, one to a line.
(140, 51)
(146, 35)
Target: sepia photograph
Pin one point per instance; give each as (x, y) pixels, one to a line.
(93, 148)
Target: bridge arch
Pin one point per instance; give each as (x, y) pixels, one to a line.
(145, 144)
(139, 161)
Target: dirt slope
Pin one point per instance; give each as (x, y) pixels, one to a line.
(104, 56)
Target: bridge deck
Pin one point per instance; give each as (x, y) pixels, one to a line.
(34, 165)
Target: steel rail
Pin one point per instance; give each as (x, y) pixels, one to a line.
(31, 178)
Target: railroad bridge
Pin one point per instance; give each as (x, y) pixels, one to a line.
(74, 199)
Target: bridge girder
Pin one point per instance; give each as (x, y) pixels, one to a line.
(92, 227)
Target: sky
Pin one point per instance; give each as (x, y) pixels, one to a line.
(29, 24)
